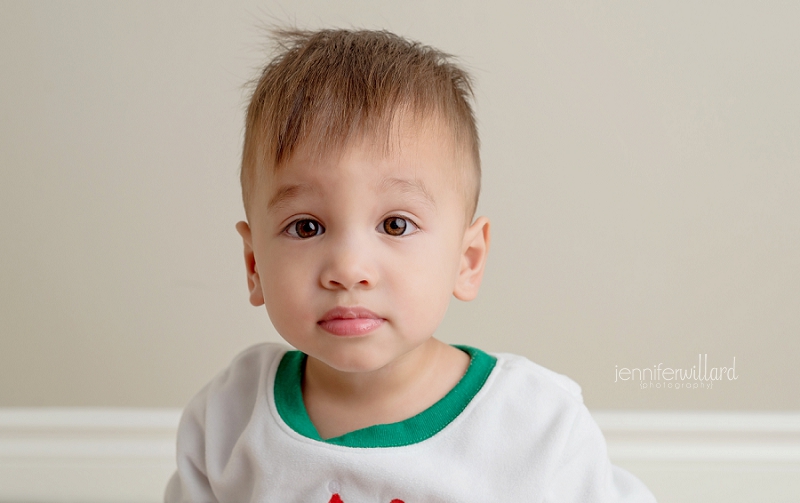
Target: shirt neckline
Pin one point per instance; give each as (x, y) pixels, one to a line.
(289, 403)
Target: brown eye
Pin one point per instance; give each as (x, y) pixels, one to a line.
(305, 228)
(396, 226)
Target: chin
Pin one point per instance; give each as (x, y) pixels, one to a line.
(354, 365)
(354, 359)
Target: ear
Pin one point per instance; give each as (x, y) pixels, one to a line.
(253, 279)
(474, 250)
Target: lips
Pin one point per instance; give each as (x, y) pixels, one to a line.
(350, 321)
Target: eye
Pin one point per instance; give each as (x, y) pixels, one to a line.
(398, 226)
(305, 228)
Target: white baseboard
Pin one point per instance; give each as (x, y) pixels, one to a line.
(86, 454)
(708, 456)
(701, 436)
(127, 455)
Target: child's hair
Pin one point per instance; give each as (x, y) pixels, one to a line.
(326, 86)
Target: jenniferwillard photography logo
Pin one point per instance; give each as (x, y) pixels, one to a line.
(698, 376)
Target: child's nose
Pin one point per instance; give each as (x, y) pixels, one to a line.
(349, 265)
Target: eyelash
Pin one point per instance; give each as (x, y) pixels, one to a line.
(292, 228)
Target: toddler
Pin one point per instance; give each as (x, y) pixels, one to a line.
(360, 178)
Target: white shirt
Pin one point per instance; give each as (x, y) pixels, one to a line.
(510, 431)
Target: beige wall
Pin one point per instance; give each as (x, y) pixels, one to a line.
(642, 172)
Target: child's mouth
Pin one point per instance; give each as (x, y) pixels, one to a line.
(350, 321)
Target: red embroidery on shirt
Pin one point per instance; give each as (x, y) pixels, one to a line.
(338, 499)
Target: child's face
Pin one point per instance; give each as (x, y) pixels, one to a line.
(382, 238)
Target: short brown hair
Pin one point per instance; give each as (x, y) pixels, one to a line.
(326, 86)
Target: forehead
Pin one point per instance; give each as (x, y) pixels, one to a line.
(410, 156)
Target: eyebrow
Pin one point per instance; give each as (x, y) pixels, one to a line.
(286, 193)
(413, 187)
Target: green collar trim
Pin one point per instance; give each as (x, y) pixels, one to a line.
(289, 402)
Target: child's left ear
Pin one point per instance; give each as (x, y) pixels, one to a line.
(474, 250)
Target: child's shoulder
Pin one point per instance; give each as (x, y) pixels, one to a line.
(522, 376)
(250, 366)
(242, 382)
(250, 360)
(256, 356)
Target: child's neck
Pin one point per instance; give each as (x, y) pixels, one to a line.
(341, 402)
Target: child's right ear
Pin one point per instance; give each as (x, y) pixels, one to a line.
(253, 279)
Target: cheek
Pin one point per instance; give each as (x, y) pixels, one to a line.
(428, 280)
(284, 284)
